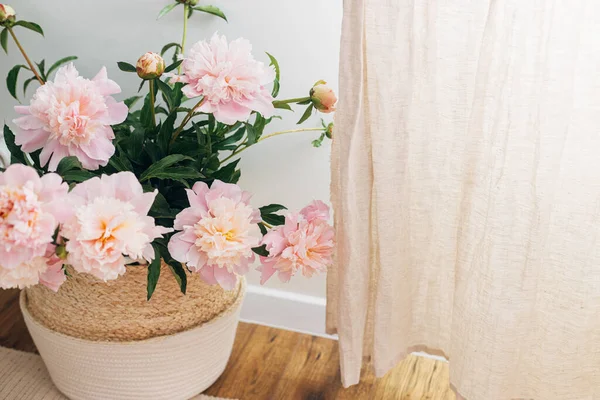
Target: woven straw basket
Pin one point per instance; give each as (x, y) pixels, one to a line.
(99, 341)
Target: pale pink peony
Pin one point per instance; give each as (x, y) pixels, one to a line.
(219, 230)
(71, 117)
(110, 222)
(30, 210)
(315, 210)
(304, 243)
(232, 82)
(46, 269)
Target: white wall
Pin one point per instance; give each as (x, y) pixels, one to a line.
(302, 34)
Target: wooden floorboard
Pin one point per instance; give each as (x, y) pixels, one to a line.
(273, 364)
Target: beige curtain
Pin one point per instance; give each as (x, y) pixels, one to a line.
(466, 187)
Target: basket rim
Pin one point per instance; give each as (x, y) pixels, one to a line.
(225, 313)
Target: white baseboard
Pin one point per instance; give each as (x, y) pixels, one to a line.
(290, 311)
(285, 310)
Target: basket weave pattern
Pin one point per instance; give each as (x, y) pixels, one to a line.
(91, 309)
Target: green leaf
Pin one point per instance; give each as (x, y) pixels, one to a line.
(273, 219)
(77, 176)
(167, 92)
(161, 208)
(228, 173)
(272, 208)
(318, 142)
(59, 63)
(130, 102)
(232, 138)
(166, 131)
(179, 274)
(252, 134)
(166, 48)
(268, 215)
(175, 266)
(261, 251)
(167, 9)
(161, 166)
(306, 114)
(153, 271)
(179, 174)
(146, 114)
(126, 67)
(4, 39)
(211, 10)
(68, 164)
(11, 79)
(31, 26)
(276, 84)
(120, 163)
(26, 84)
(282, 105)
(15, 151)
(42, 68)
(263, 228)
(141, 85)
(173, 66)
(305, 102)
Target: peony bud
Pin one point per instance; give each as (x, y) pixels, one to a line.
(329, 131)
(150, 66)
(188, 2)
(7, 14)
(323, 97)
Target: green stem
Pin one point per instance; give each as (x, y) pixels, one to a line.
(152, 100)
(296, 100)
(38, 77)
(239, 149)
(290, 131)
(186, 11)
(235, 152)
(187, 119)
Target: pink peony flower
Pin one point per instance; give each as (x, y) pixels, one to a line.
(230, 79)
(71, 117)
(219, 230)
(323, 97)
(46, 269)
(315, 210)
(304, 243)
(30, 210)
(109, 222)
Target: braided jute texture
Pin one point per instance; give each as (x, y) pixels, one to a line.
(88, 308)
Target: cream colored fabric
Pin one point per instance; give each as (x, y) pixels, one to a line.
(23, 376)
(466, 187)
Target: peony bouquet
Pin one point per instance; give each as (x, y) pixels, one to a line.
(99, 184)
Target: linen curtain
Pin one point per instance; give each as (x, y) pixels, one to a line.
(466, 189)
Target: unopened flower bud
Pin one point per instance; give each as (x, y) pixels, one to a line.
(150, 66)
(329, 131)
(323, 97)
(61, 252)
(188, 2)
(7, 14)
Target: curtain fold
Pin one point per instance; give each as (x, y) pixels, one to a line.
(466, 189)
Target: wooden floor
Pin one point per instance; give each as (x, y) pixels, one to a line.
(269, 363)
